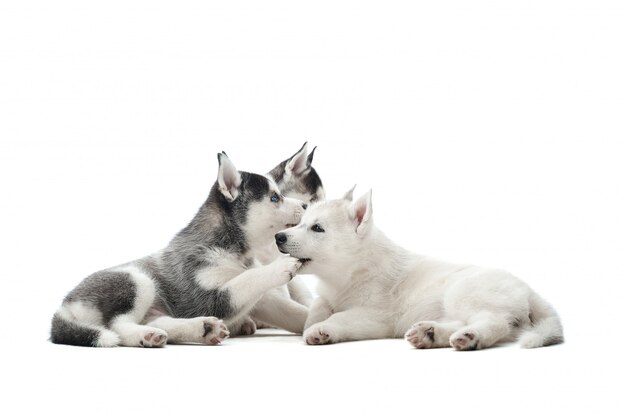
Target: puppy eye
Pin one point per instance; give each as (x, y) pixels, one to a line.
(317, 228)
(275, 197)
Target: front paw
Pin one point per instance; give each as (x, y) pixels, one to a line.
(421, 334)
(283, 269)
(212, 331)
(317, 335)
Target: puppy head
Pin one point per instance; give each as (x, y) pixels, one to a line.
(253, 202)
(296, 177)
(329, 231)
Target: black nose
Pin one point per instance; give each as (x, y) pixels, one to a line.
(281, 238)
(304, 206)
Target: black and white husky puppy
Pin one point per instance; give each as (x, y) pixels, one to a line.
(206, 272)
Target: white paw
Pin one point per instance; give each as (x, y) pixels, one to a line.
(152, 337)
(284, 268)
(421, 334)
(248, 327)
(212, 330)
(317, 335)
(464, 340)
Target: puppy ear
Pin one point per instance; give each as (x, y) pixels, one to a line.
(298, 162)
(348, 195)
(309, 159)
(228, 178)
(361, 212)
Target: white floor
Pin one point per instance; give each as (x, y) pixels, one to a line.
(276, 374)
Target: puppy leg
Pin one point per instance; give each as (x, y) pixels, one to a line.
(279, 310)
(127, 325)
(320, 311)
(247, 288)
(135, 335)
(483, 330)
(204, 330)
(352, 325)
(299, 292)
(283, 291)
(432, 334)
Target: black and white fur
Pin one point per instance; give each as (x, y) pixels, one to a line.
(372, 288)
(207, 271)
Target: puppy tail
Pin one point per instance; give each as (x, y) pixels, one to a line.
(545, 328)
(66, 331)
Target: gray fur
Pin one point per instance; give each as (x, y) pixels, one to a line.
(217, 225)
(67, 332)
(111, 292)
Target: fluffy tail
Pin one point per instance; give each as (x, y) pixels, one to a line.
(66, 331)
(546, 328)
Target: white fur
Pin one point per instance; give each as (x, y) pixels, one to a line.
(266, 218)
(228, 178)
(80, 313)
(217, 276)
(107, 338)
(277, 308)
(298, 163)
(194, 330)
(372, 288)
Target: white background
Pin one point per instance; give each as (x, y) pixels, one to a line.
(492, 132)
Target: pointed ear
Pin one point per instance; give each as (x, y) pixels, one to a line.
(361, 212)
(348, 195)
(309, 159)
(298, 162)
(228, 178)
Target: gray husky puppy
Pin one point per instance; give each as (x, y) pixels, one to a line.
(286, 306)
(295, 178)
(207, 271)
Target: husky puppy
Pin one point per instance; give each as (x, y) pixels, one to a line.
(372, 288)
(296, 178)
(206, 272)
(287, 307)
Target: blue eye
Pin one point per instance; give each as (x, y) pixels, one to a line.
(275, 197)
(317, 228)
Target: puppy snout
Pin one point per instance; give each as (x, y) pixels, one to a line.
(281, 238)
(304, 206)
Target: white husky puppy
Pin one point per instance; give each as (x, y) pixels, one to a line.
(372, 288)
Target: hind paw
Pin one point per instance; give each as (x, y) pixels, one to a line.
(153, 338)
(464, 340)
(421, 334)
